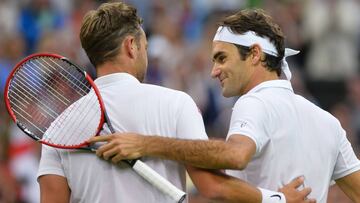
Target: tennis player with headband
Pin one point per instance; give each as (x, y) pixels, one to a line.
(274, 134)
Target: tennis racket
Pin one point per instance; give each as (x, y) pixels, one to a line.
(57, 103)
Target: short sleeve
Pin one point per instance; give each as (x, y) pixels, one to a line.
(50, 162)
(346, 162)
(249, 118)
(190, 124)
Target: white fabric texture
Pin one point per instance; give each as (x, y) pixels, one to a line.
(293, 137)
(132, 107)
(250, 38)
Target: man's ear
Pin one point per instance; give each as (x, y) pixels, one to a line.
(256, 54)
(130, 46)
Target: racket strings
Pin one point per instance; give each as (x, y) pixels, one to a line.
(37, 83)
(36, 89)
(54, 100)
(40, 74)
(83, 128)
(30, 84)
(86, 110)
(75, 79)
(32, 95)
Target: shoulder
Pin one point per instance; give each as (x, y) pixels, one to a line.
(166, 98)
(251, 106)
(322, 116)
(315, 109)
(250, 100)
(158, 88)
(164, 92)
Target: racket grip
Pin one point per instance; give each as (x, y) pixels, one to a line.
(158, 181)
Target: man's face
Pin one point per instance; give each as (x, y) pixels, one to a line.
(142, 61)
(233, 73)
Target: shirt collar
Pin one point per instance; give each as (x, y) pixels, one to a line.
(115, 77)
(272, 83)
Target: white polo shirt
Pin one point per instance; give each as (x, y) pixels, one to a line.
(132, 107)
(293, 137)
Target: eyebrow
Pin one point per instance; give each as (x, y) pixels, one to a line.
(217, 55)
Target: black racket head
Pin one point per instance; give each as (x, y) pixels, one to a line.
(54, 101)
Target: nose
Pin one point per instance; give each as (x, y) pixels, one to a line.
(215, 72)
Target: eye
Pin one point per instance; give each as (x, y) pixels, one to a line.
(221, 59)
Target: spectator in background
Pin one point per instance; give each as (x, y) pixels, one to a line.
(11, 51)
(23, 162)
(36, 18)
(331, 30)
(8, 190)
(353, 89)
(9, 187)
(9, 12)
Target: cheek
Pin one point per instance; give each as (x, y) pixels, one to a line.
(146, 59)
(239, 70)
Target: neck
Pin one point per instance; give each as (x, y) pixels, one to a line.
(260, 76)
(111, 67)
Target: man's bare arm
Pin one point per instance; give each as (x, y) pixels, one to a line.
(54, 189)
(216, 154)
(219, 187)
(350, 184)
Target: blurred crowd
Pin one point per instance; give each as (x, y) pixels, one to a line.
(180, 33)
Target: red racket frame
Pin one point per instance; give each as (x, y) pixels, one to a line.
(88, 78)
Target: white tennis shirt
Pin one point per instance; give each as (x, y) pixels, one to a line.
(132, 107)
(293, 137)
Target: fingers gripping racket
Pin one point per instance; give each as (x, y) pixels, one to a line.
(56, 103)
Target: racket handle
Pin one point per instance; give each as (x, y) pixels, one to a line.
(158, 181)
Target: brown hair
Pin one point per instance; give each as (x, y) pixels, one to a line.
(263, 25)
(103, 30)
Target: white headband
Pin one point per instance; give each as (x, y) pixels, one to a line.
(250, 38)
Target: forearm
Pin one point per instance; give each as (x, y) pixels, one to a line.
(213, 154)
(235, 190)
(219, 187)
(350, 185)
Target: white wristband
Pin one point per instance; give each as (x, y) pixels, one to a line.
(269, 196)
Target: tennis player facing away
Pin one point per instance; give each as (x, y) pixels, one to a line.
(275, 135)
(116, 45)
